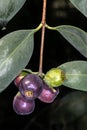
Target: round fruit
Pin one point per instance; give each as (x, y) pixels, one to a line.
(54, 77)
(21, 106)
(48, 95)
(31, 86)
(19, 78)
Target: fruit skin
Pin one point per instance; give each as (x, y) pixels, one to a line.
(31, 86)
(48, 95)
(21, 106)
(54, 77)
(19, 78)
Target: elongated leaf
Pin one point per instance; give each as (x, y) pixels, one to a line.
(8, 8)
(75, 36)
(81, 5)
(15, 51)
(76, 74)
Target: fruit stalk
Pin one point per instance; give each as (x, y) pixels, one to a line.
(42, 36)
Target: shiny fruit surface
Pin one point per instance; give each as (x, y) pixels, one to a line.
(31, 86)
(19, 78)
(48, 95)
(21, 106)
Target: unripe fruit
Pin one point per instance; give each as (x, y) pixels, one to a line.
(54, 77)
(19, 78)
(48, 95)
(31, 86)
(21, 106)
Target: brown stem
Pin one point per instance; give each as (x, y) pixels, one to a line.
(42, 36)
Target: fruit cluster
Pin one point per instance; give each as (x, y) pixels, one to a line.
(32, 86)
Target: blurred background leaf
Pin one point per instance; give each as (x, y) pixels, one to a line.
(71, 112)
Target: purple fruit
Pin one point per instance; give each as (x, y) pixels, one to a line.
(48, 95)
(31, 86)
(21, 106)
(19, 78)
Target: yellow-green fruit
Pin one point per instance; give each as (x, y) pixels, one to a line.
(54, 77)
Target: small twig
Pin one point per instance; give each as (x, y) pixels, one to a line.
(42, 36)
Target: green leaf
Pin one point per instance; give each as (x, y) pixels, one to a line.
(76, 74)
(75, 36)
(81, 5)
(15, 52)
(8, 8)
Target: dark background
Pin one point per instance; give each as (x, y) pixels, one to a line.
(56, 51)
